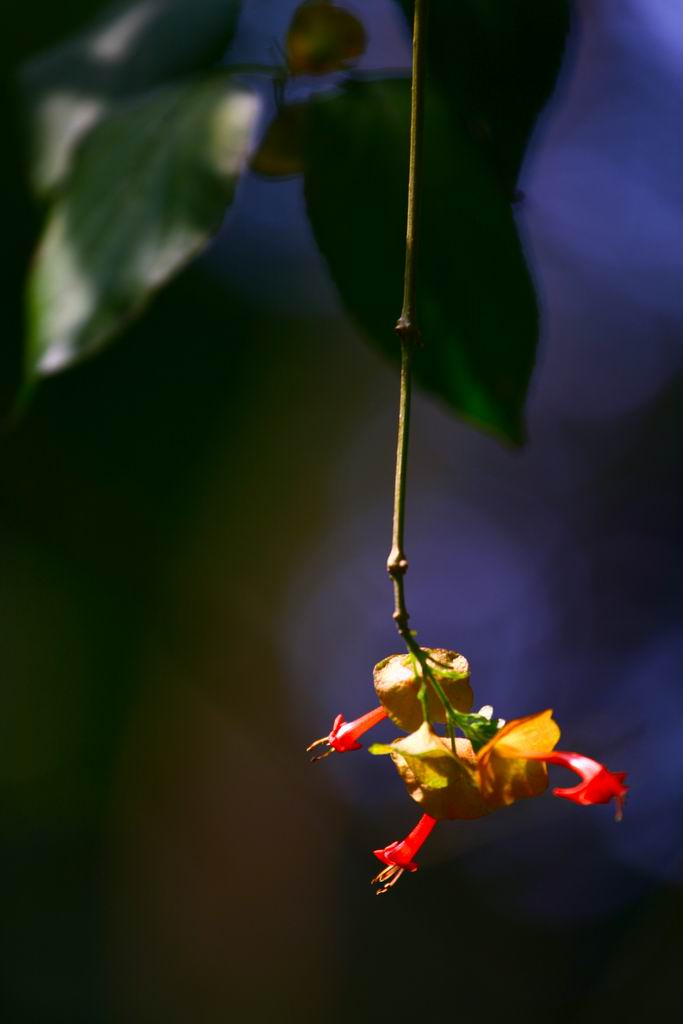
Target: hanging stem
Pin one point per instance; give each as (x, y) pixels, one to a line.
(407, 324)
(408, 331)
(409, 334)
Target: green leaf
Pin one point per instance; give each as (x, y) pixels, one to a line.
(495, 63)
(149, 187)
(131, 48)
(477, 308)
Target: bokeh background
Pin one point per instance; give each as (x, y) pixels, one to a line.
(193, 530)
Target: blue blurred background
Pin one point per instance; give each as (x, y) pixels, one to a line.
(193, 531)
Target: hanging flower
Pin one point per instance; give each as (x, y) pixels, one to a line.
(464, 784)
(399, 856)
(597, 786)
(493, 765)
(344, 735)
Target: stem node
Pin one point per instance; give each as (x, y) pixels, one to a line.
(408, 332)
(397, 564)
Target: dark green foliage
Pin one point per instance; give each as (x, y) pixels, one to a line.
(495, 63)
(476, 304)
(150, 185)
(139, 160)
(131, 48)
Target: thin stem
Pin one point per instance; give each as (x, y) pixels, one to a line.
(397, 563)
(408, 318)
(407, 330)
(409, 334)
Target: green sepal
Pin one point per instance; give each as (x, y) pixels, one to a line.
(476, 728)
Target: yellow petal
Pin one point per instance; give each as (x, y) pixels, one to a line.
(534, 734)
(505, 775)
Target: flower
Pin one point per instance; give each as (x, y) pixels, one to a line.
(399, 856)
(462, 784)
(344, 735)
(493, 765)
(598, 785)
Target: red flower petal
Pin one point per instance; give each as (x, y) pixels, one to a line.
(598, 785)
(400, 854)
(344, 735)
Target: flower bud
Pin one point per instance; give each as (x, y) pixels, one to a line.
(397, 687)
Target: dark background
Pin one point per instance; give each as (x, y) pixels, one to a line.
(193, 529)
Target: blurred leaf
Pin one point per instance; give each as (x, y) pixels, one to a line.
(149, 186)
(281, 151)
(496, 62)
(476, 304)
(323, 38)
(132, 47)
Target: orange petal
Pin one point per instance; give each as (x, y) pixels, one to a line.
(505, 774)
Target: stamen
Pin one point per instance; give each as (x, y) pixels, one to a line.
(321, 757)
(387, 878)
(619, 813)
(316, 743)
